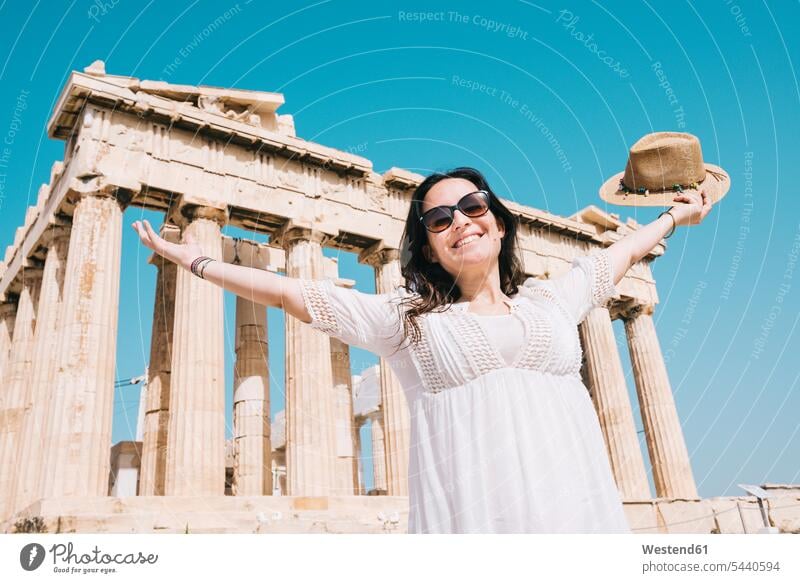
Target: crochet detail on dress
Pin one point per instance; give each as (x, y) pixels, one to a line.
(599, 267)
(428, 371)
(479, 356)
(318, 304)
(539, 334)
(568, 364)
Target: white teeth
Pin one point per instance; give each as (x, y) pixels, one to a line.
(467, 240)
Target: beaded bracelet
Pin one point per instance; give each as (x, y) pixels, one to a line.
(672, 230)
(196, 265)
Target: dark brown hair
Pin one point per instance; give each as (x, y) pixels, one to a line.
(432, 288)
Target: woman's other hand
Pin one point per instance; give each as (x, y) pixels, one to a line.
(181, 254)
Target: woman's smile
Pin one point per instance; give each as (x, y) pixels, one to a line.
(466, 241)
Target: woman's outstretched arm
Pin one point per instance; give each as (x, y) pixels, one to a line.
(256, 285)
(631, 248)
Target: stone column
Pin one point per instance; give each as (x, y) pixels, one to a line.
(610, 395)
(16, 387)
(82, 396)
(252, 457)
(279, 470)
(155, 431)
(196, 434)
(378, 451)
(672, 471)
(359, 422)
(310, 435)
(252, 443)
(32, 445)
(8, 312)
(346, 462)
(395, 409)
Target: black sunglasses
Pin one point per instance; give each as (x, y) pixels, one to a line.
(475, 204)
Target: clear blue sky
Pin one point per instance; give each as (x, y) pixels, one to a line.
(434, 92)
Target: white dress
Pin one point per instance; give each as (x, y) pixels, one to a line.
(499, 443)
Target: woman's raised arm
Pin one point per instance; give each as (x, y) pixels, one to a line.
(256, 285)
(693, 209)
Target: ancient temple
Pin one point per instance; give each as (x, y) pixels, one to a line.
(208, 157)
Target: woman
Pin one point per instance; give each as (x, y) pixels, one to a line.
(504, 436)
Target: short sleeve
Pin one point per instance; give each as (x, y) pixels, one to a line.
(587, 285)
(369, 321)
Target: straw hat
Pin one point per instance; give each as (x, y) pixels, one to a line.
(661, 165)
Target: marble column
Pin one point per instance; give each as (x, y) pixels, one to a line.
(672, 471)
(310, 434)
(279, 471)
(359, 422)
(196, 433)
(82, 396)
(378, 452)
(252, 457)
(16, 385)
(33, 443)
(152, 472)
(346, 461)
(610, 395)
(8, 311)
(253, 473)
(395, 409)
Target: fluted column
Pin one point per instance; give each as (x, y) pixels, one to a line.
(196, 434)
(252, 457)
(252, 443)
(79, 417)
(310, 435)
(155, 431)
(8, 312)
(346, 462)
(396, 423)
(378, 451)
(359, 422)
(279, 470)
(672, 471)
(610, 395)
(16, 387)
(32, 446)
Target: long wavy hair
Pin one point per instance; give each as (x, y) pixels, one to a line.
(432, 288)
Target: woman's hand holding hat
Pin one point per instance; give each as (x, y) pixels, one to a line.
(696, 205)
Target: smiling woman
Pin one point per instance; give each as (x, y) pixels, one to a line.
(491, 372)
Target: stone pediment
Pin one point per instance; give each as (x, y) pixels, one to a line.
(216, 98)
(255, 108)
(252, 107)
